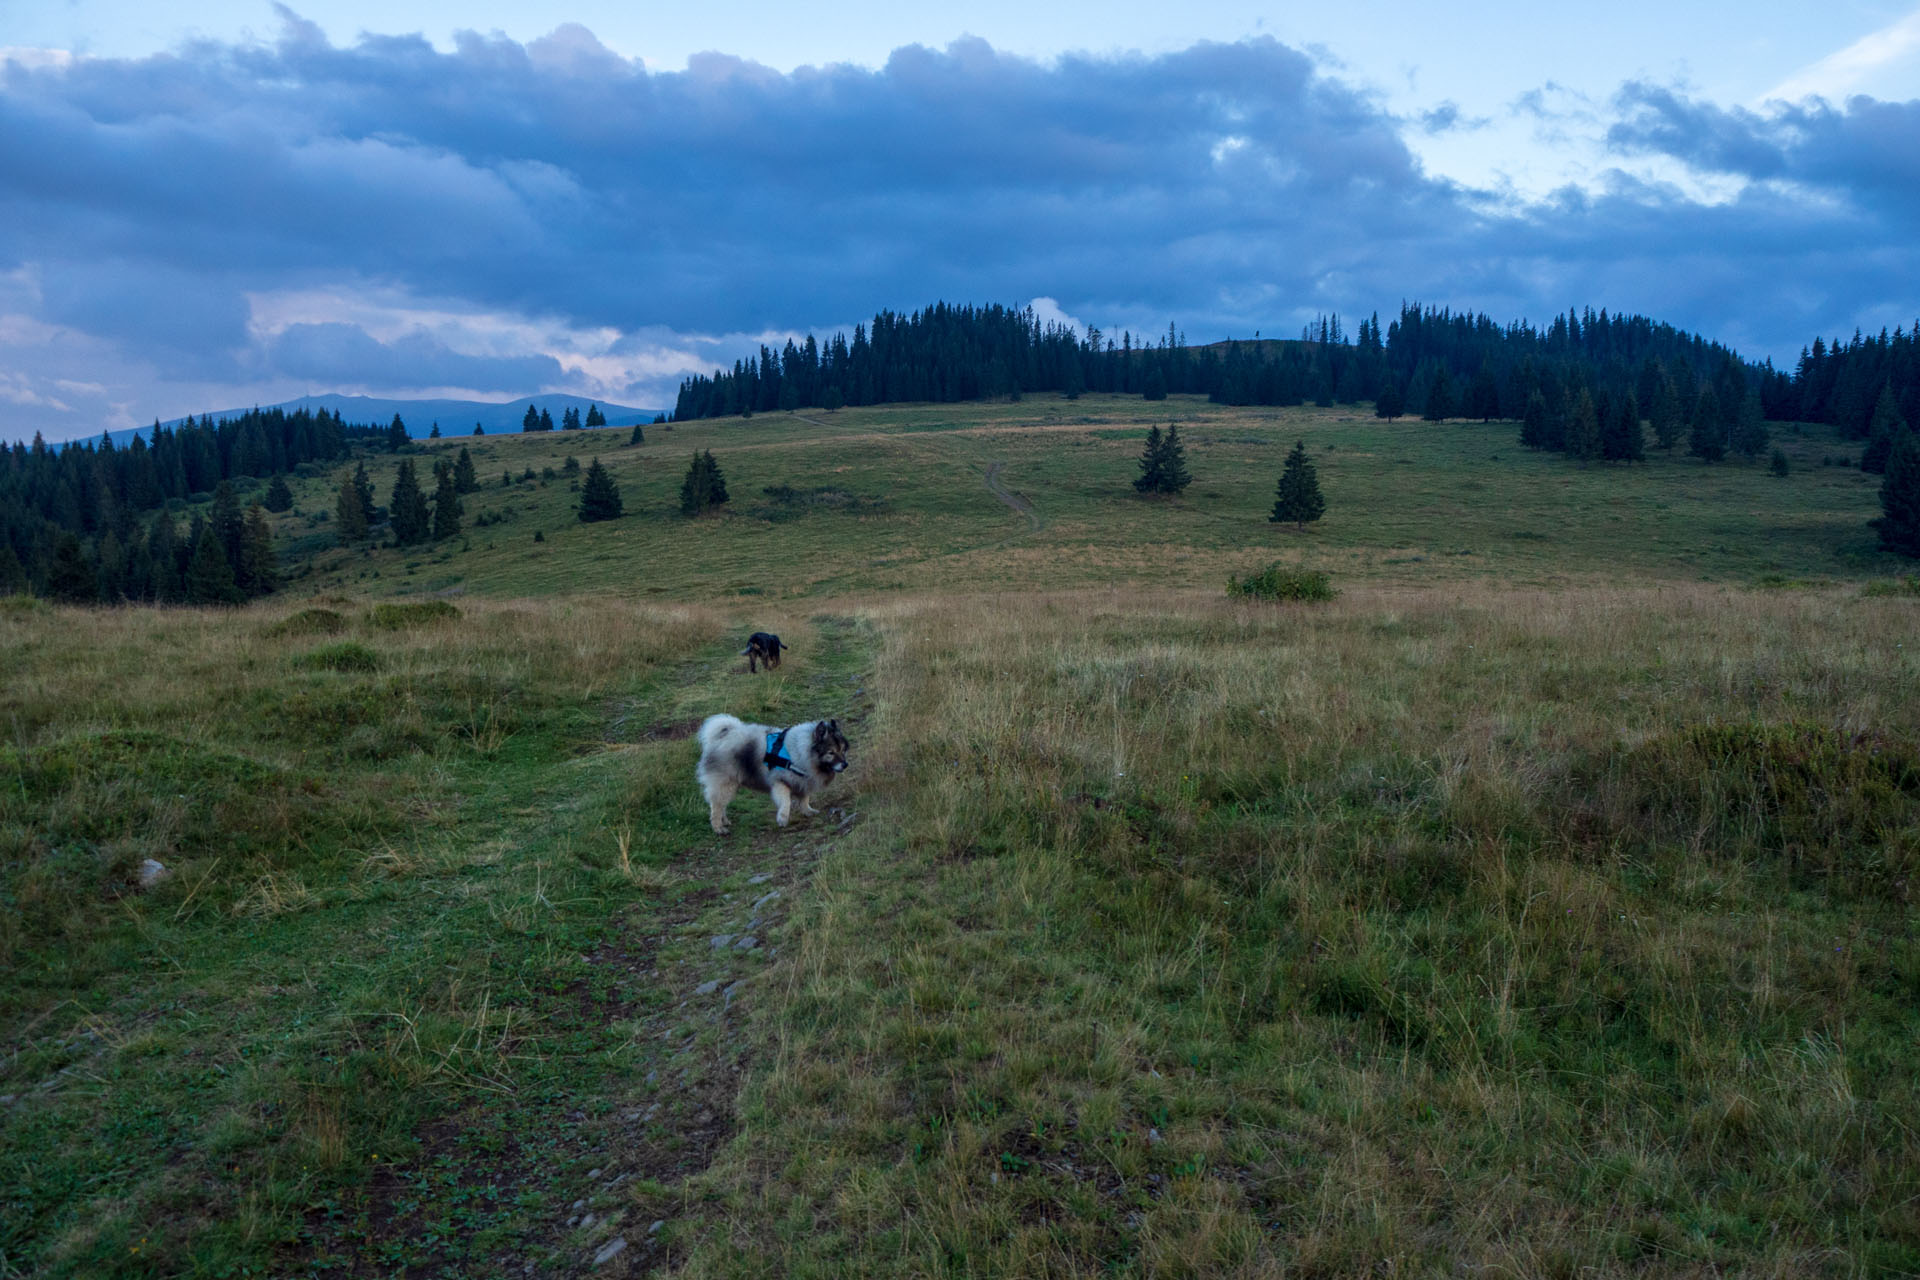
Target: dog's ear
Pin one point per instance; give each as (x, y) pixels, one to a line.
(833, 726)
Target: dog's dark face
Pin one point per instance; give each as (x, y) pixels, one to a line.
(829, 747)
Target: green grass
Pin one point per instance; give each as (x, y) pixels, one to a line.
(1541, 905)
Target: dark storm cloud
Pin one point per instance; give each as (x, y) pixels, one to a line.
(1226, 186)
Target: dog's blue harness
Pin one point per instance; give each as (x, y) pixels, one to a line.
(776, 757)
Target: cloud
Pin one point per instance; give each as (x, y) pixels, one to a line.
(1849, 70)
(554, 214)
(345, 356)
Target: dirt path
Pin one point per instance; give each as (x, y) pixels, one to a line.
(1012, 499)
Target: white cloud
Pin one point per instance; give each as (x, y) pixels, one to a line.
(1859, 66)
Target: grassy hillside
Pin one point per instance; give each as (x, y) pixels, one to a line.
(1542, 905)
(897, 498)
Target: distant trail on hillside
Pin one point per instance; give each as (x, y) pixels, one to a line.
(1014, 500)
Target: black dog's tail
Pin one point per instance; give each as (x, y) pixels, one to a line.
(781, 644)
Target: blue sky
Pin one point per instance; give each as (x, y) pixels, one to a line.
(236, 202)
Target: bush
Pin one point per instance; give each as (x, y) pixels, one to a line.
(1277, 582)
(398, 617)
(310, 622)
(345, 656)
(1908, 587)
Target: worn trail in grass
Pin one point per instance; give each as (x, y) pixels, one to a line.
(435, 947)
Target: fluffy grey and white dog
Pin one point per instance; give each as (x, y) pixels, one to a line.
(787, 764)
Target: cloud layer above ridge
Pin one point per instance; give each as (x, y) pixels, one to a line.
(252, 221)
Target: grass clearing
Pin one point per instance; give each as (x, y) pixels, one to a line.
(1535, 905)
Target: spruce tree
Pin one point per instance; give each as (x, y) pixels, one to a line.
(1620, 436)
(599, 495)
(479, 430)
(1583, 428)
(546, 420)
(13, 577)
(1483, 398)
(163, 545)
(226, 521)
(349, 515)
(1297, 496)
(1392, 401)
(1173, 462)
(407, 509)
(1778, 463)
(638, 437)
(209, 577)
(1533, 427)
(279, 497)
(696, 490)
(1440, 404)
(465, 478)
(397, 434)
(569, 419)
(1750, 428)
(1899, 524)
(255, 573)
(532, 421)
(595, 418)
(1883, 429)
(69, 574)
(1664, 414)
(434, 432)
(716, 482)
(1150, 463)
(446, 507)
(1706, 435)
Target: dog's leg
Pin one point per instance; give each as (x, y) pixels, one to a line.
(783, 802)
(720, 793)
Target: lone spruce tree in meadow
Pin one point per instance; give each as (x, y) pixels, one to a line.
(279, 497)
(1173, 462)
(599, 495)
(595, 418)
(1297, 497)
(704, 487)
(1149, 478)
(638, 437)
(1899, 524)
(397, 434)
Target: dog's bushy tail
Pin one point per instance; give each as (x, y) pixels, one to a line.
(713, 728)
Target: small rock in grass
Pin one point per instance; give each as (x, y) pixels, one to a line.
(1154, 1138)
(610, 1250)
(152, 873)
(654, 1230)
(592, 1174)
(765, 898)
(578, 1204)
(747, 943)
(707, 988)
(762, 878)
(720, 940)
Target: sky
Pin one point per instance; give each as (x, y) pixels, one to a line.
(212, 205)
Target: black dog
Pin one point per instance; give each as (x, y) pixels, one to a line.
(763, 646)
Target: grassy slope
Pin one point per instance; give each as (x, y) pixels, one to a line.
(1176, 936)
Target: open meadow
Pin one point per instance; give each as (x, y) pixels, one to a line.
(1542, 905)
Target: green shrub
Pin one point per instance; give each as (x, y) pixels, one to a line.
(399, 617)
(1277, 582)
(310, 622)
(1907, 587)
(345, 656)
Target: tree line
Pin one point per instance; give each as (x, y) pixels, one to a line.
(1430, 361)
(93, 520)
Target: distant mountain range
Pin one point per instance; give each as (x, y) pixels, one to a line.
(455, 417)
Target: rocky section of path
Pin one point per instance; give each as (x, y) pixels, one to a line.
(706, 967)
